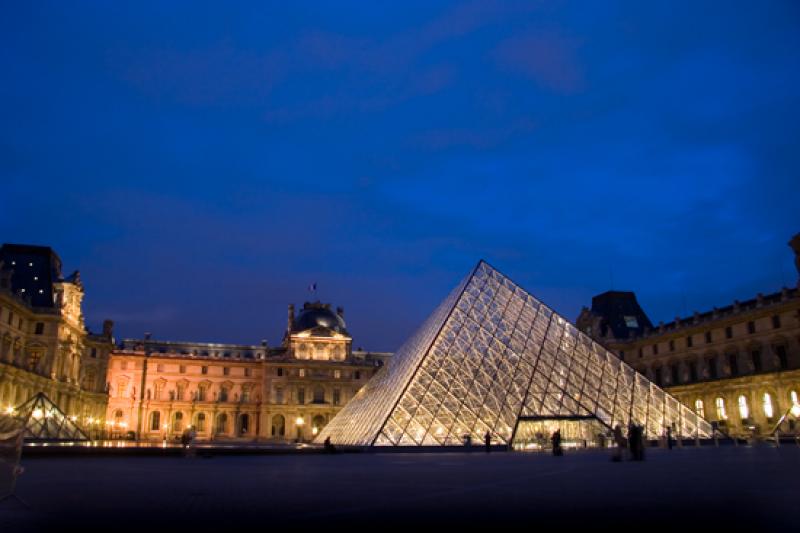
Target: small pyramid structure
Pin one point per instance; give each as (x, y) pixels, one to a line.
(44, 421)
(490, 356)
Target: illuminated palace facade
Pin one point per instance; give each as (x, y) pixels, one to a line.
(737, 365)
(157, 389)
(44, 344)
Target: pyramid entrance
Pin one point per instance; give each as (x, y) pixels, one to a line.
(491, 359)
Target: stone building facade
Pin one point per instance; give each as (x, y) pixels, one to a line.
(738, 365)
(44, 344)
(239, 392)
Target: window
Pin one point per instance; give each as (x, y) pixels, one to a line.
(658, 376)
(159, 368)
(744, 411)
(776, 322)
(631, 322)
(672, 346)
(223, 394)
(751, 327)
(358, 374)
(698, 408)
(721, 414)
(768, 411)
(301, 395)
(248, 372)
(155, 421)
(655, 349)
(711, 363)
(39, 328)
(204, 370)
(123, 365)
(244, 424)
(279, 372)
(278, 426)
(622, 354)
(319, 395)
(675, 373)
(337, 374)
(201, 422)
(177, 422)
(780, 351)
(182, 369)
(793, 398)
(728, 332)
(245, 395)
(279, 395)
(226, 371)
(708, 337)
(641, 353)
(755, 355)
(689, 341)
(301, 372)
(734, 364)
(179, 392)
(337, 396)
(693, 370)
(201, 393)
(121, 386)
(10, 318)
(93, 353)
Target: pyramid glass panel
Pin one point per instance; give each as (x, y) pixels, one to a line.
(44, 421)
(493, 359)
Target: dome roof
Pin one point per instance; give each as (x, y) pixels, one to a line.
(319, 315)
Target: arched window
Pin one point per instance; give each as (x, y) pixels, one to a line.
(793, 398)
(699, 409)
(244, 424)
(278, 426)
(200, 423)
(317, 424)
(155, 421)
(744, 410)
(222, 423)
(177, 421)
(720, 404)
(118, 417)
(768, 410)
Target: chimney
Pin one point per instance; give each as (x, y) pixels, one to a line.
(290, 322)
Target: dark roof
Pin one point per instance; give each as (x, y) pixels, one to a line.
(35, 269)
(315, 315)
(621, 313)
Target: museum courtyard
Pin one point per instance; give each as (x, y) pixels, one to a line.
(686, 488)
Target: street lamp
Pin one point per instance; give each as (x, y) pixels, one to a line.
(299, 423)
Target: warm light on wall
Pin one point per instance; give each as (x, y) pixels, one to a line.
(767, 405)
(299, 421)
(37, 414)
(744, 411)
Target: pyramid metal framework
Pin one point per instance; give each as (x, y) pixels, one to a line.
(490, 355)
(44, 421)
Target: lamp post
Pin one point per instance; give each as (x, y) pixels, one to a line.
(299, 423)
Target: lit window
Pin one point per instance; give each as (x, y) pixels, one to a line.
(631, 322)
(744, 411)
(30, 264)
(698, 408)
(721, 414)
(337, 374)
(41, 291)
(767, 405)
(35, 278)
(302, 372)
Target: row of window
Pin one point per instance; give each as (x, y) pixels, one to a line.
(160, 368)
(767, 405)
(200, 423)
(732, 359)
(751, 329)
(318, 396)
(302, 372)
(38, 327)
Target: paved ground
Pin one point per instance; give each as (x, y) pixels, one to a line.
(747, 488)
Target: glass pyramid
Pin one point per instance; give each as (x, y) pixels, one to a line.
(491, 355)
(44, 421)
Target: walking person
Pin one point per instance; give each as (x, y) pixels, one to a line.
(556, 438)
(487, 439)
(669, 437)
(621, 443)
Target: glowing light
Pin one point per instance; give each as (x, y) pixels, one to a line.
(9, 410)
(123, 424)
(796, 410)
(299, 421)
(37, 414)
(73, 418)
(767, 405)
(744, 411)
(315, 430)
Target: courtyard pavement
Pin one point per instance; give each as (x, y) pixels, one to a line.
(737, 488)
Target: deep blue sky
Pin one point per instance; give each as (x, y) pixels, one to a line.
(202, 164)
